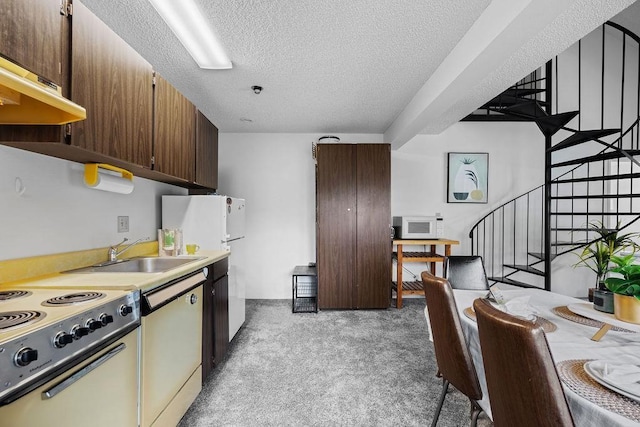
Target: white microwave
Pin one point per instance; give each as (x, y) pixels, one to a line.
(415, 227)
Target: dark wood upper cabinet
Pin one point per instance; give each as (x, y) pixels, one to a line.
(353, 187)
(206, 152)
(149, 129)
(174, 130)
(31, 36)
(115, 85)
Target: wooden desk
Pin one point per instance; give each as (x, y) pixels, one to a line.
(415, 287)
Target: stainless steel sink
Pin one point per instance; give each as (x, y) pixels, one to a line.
(138, 265)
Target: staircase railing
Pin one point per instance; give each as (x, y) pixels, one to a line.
(589, 176)
(511, 233)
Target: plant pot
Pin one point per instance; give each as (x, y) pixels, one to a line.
(627, 308)
(603, 301)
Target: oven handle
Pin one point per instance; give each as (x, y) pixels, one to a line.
(82, 372)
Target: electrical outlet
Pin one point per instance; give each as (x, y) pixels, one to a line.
(123, 224)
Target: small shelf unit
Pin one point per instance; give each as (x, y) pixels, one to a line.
(428, 256)
(304, 288)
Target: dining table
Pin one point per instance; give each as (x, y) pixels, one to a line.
(571, 345)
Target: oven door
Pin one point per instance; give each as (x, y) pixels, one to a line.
(101, 391)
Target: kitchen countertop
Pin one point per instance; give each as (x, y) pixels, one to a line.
(122, 281)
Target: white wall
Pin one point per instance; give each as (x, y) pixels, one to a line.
(419, 173)
(58, 213)
(275, 173)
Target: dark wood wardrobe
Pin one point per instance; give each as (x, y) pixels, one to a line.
(353, 213)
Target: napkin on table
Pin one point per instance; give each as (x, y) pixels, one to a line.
(624, 376)
(519, 306)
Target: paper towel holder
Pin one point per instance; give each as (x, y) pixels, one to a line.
(107, 182)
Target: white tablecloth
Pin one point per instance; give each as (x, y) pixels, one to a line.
(570, 341)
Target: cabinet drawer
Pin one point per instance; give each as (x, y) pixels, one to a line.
(220, 269)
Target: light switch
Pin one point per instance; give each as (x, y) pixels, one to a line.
(123, 224)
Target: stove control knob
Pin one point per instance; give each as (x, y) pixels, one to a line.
(93, 325)
(25, 355)
(125, 310)
(61, 339)
(105, 319)
(78, 332)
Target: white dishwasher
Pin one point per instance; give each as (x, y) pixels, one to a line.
(171, 350)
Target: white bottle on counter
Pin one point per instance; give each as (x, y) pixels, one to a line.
(161, 251)
(177, 242)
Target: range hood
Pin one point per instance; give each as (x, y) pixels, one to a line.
(27, 99)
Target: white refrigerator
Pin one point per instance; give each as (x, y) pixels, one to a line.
(213, 222)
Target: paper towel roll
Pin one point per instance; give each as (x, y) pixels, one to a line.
(115, 184)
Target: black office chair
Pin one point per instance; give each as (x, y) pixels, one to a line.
(465, 272)
(455, 364)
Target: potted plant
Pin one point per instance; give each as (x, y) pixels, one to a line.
(597, 256)
(626, 289)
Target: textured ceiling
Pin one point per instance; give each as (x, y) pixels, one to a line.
(343, 66)
(349, 66)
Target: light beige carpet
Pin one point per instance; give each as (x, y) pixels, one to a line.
(333, 368)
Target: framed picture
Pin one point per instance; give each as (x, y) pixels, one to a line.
(467, 179)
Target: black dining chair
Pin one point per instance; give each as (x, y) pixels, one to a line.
(522, 380)
(452, 354)
(465, 272)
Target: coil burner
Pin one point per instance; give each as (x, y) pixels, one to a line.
(13, 294)
(74, 298)
(15, 319)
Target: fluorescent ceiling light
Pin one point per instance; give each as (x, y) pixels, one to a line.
(187, 22)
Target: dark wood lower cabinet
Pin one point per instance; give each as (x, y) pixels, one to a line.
(215, 317)
(353, 188)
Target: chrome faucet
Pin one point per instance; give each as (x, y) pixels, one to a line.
(114, 252)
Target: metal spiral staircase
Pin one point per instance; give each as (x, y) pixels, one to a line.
(586, 103)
